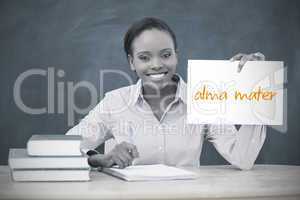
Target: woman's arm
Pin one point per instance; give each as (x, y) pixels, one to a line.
(95, 130)
(93, 127)
(239, 147)
(122, 155)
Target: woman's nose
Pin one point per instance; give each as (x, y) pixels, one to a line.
(156, 64)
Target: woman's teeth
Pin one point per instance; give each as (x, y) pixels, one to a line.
(157, 75)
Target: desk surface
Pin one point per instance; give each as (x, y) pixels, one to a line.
(262, 182)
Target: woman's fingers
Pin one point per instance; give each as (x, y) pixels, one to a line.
(135, 152)
(131, 148)
(243, 58)
(118, 161)
(126, 158)
(243, 61)
(237, 57)
(258, 56)
(124, 153)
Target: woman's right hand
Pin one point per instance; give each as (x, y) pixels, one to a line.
(122, 155)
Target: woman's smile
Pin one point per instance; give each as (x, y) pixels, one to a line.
(157, 75)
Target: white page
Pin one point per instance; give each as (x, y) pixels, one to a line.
(150, 172)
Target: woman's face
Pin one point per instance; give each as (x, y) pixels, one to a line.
(154, 57)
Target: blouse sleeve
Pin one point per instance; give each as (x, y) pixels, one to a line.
(240, 148)
(94, 127)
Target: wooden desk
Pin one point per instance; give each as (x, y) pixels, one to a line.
(224, 182)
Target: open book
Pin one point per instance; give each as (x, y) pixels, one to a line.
(158, 172)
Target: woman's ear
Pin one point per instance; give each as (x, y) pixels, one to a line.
(130, 60)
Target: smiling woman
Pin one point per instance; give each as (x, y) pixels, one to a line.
(158, 99)
(154, 58)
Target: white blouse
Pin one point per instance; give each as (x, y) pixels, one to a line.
(123, 115)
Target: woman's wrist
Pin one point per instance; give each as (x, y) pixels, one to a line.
(95, 160)
(100, 160)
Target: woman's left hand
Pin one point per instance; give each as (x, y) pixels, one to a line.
(243, 58)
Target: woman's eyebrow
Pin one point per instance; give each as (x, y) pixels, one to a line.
(143, 52)
(166, 49)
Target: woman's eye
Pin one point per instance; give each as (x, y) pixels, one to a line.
(144, 58)
(166, 55)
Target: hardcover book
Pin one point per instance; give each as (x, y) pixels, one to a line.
(19, 159)
(54, 145)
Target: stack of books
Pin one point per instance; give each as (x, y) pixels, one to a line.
(50, 158)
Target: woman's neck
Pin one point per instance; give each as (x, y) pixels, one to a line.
(152, 93)
(160, 98)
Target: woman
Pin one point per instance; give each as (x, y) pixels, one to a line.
(146, 122)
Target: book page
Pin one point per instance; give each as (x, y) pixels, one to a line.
(150, 172)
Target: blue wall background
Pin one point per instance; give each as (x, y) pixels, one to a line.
(83, 37)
